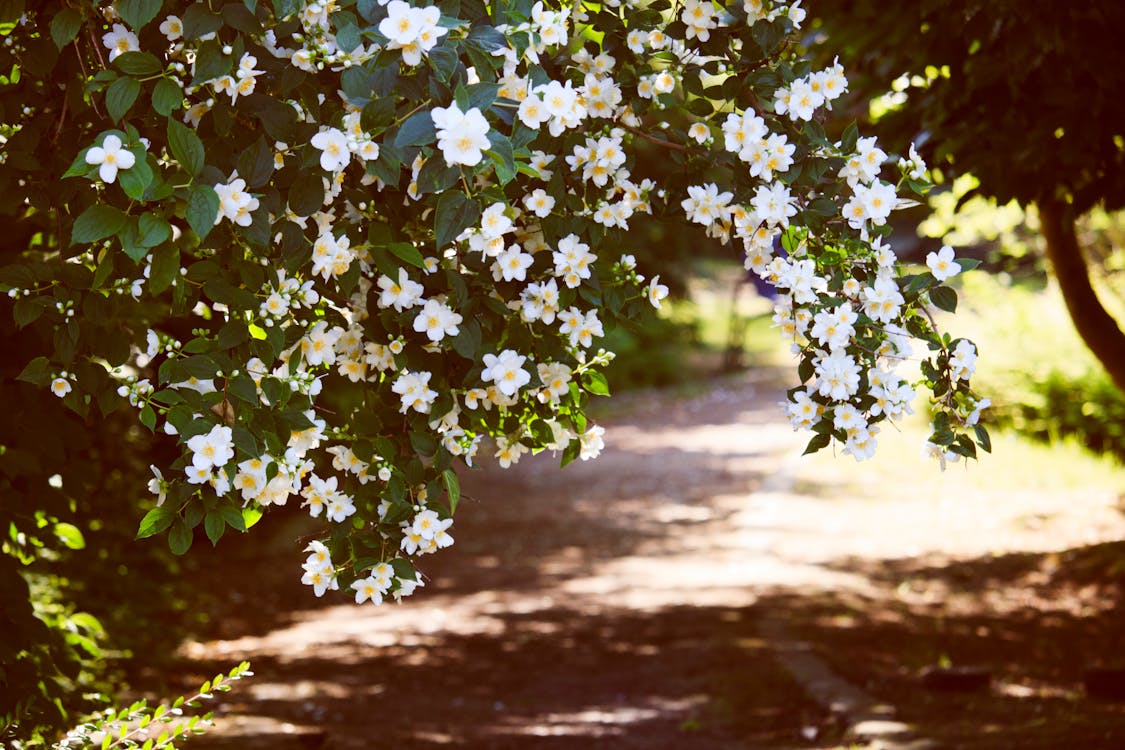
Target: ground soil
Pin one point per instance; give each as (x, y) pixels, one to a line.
(619, 604)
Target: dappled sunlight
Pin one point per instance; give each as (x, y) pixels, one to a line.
(621, 602)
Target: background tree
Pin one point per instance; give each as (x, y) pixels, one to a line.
(1024, 96)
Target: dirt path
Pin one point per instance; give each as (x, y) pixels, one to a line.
(617, 604)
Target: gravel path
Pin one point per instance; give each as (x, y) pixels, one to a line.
(617, 604)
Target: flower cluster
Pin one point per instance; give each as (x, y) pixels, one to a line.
(392, 229)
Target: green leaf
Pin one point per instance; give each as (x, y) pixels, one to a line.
(136, 179)
(65, 26)
(120, 95)
(214, 524)
(69, 535)
(418, 130)
(306, 195)
(849, 138)
(944, 298)
(179, 539)
(251, 516)
(96, 223)
(436, 176)
(202, 208)
(443, 60)
(454, 214)
(503, 160)
(452, 489)
(596, 383)
(233, 333)
(818, 442)
(165, 268)
(255, 164)
(239, 18)
(200, 21)
(27, 311)
(137, 13)
(152, 230)
(167, 96)
(407, 252)
(467, 342)
(186, 148)
(210, 62)
(233, 517)
(137, 63)
(148, 418)
(36, 372)
(155, 521)
(983, 439)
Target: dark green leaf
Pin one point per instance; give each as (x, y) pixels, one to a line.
(186, 148)
(306, 196)
(454, 214)
(137, 13)
(452, 489)
(436, 176)
(65, 26)
(27, 311)
(200, 21)
(37, 372)
(148, 417)
(210, 62)
(233, 333)
(96, 223)
(255, 164)
(155, 521)
(468, 340)
(407, 252)
(136, 179)
(817, 443)
(214, 524)
(179, 539)
(233, 517)
(165, 268)
(239, 17)
(202, 208)
(137, 63)
(152, 230)
(418, 130)
(167, 96)
(944, 298)
(120, 95)
(502, 157)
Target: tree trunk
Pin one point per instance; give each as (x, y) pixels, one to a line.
(1095, 325)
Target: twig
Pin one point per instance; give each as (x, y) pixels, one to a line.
(657, 141)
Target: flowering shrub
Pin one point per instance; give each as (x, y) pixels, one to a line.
(329, 248)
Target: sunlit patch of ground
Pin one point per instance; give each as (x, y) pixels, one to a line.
(618, 604)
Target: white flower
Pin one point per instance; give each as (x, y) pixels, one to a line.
(942, 265)
(60, 387)
(656, 292)
(119, 41)
(414, 391)
(111, 157)
(172, 27)
(334, 151)
(539, 202)
(462, 136)
(437, 320)
(215, 448)
(506, 371)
